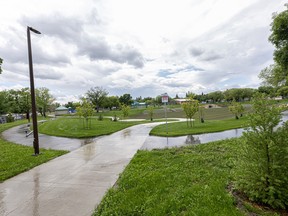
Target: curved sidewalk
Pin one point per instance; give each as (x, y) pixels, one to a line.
(17, 135)
(75, 183)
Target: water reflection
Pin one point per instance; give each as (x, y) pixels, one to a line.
(154, 142)
(36, 176)
(192, 140)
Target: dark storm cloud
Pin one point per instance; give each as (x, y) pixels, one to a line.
(99, 49)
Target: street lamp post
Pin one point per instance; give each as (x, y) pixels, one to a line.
(33, 100)
(165, 98)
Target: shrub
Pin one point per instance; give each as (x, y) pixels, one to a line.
(263, 165)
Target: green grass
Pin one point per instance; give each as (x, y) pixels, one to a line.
(181, 128)
(73, 127)
(15, 159)
(180, 181)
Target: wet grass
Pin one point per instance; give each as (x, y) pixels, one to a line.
(181, 128)
(15, 159)
(75, 127)
(180, 181)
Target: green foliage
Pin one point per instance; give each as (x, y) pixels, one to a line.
(10, 118)
(150, 110)
(263, 164)
(125, 110)
(86, 111)
(236, 108)
(277, 74)
(96, 96)
(178, 181)
(100, 117)
(44, 100)
(181, 129)
(279, 38)
(190, 108)
(72, 127)
(18, 158)
(126, 99)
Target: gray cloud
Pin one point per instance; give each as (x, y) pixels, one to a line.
(99, 49)
(72, 30)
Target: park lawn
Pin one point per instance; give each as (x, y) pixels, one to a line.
(209, 126)
(180, 181)
(74, 127)
(15, 159)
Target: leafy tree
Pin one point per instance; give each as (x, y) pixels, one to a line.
(236, 108)
(1, 61)
(268, 90)
(283, 91)
(43, 100)
(262, 169)
(110, 102)
(85, 110)
(150, 110)
(72, 105)
(97, 95)
(3, 102)
(216, 96)
(190, 108)
(277, 74)
(25, 102)
(125, 110)
(279, 38)
(126, 99)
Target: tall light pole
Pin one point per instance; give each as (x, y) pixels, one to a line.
(165, 99)
(32, 88)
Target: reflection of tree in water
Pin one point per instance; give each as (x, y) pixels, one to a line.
(126, 133)
(192, 140)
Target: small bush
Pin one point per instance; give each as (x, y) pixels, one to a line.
(263, 165)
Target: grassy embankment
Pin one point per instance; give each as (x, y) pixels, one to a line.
(74, 127)
(15, 159)
(180, 181)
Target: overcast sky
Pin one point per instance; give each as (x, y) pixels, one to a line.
(141, 47)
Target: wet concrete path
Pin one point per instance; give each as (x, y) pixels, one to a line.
(75, 183)
(17, 135)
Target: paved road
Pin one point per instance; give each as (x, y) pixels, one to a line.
(75, 183)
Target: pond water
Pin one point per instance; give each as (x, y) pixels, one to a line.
(155, 142)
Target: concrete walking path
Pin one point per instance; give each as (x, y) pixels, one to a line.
(75, 183)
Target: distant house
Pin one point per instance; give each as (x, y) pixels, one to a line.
(181, 100)
(61, 111)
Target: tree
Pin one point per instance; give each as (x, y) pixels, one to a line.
(277, 74)
(96, 96)
(25, 102)
(1, 61)
(262, 169)
(268, 90)
(190, 108)
(283, 91)
(110, 102)
(85, 110)
(43, 100)
(216, 96)
(236, 108)
(125, 110)
(279, 38)
(150, 110)
(126, 99)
